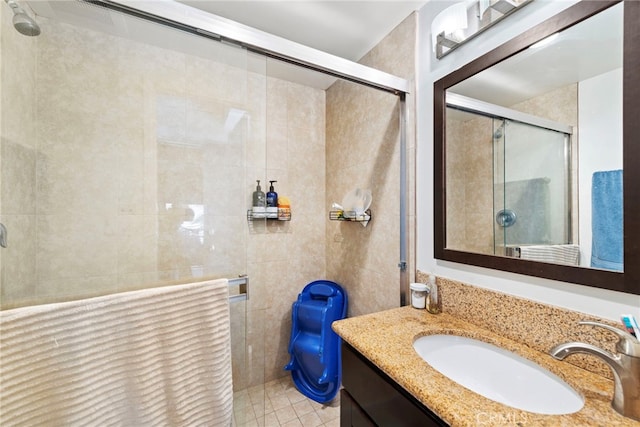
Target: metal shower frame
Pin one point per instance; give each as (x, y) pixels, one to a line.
(202, 23)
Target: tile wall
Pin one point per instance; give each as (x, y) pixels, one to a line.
(126, 177)
(363, 151)
(128, 165)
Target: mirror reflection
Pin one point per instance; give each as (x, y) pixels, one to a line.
(534, 151)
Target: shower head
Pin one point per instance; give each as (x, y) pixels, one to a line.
(23, 22)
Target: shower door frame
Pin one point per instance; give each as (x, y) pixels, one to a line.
(205, 24)
(208, 25)
(475, 106)
(566, 215)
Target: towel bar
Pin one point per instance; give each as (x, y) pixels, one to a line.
(242, 285)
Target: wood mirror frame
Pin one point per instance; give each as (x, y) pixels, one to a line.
(627, 281)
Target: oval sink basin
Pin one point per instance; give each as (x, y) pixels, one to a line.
(498, 374)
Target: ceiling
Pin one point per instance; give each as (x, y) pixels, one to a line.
(348, 29)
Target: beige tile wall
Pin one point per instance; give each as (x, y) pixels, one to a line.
(109, 146)
(18, 103)
(363, 150)
(284, 256)
(470, 185)
(118, 157)
(122, 146)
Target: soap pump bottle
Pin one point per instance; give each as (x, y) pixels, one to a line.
(433, 300)
(259, 202)
(272, 202)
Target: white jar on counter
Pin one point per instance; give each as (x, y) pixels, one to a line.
(418, 295)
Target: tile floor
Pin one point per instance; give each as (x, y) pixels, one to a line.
(279, 404)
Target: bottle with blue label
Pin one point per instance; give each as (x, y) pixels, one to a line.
(272, 202)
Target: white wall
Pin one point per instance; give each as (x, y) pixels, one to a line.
(600, 146)
(599, 302)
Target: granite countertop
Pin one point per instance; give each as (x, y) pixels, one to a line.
(386, 338)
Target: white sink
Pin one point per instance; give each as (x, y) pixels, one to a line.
(498, 374)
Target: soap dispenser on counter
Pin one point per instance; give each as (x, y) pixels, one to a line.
(272, 201)
(433, 300)
(259, 207)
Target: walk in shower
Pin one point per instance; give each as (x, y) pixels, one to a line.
(130, 149)
(511, 179)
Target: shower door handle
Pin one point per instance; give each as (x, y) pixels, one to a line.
(3, 235)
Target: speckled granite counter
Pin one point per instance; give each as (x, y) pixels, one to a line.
(386, 338)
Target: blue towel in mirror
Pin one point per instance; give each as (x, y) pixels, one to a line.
(606, 220)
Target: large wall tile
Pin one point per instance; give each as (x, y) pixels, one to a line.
(363, 151)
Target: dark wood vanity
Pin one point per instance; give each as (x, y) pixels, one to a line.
(371, 398)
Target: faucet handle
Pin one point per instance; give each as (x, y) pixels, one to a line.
(628, 344)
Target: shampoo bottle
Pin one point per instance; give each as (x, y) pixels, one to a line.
(259, 202)
(272, 202)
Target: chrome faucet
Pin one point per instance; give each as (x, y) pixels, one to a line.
(433, 301)
(625, 366)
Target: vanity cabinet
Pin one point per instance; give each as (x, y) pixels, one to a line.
(371, 398)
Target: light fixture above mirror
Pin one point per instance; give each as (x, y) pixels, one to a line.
(462, 21)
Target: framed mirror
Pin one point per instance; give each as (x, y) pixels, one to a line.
(536, 152)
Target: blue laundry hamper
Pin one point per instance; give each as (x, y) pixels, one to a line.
(314, 347)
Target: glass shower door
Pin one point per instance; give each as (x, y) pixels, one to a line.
(532, 195)
(129, 150)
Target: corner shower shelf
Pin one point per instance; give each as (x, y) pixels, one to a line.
(351, 216)
(279, 216)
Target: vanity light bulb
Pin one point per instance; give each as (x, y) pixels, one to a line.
(450, 20)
